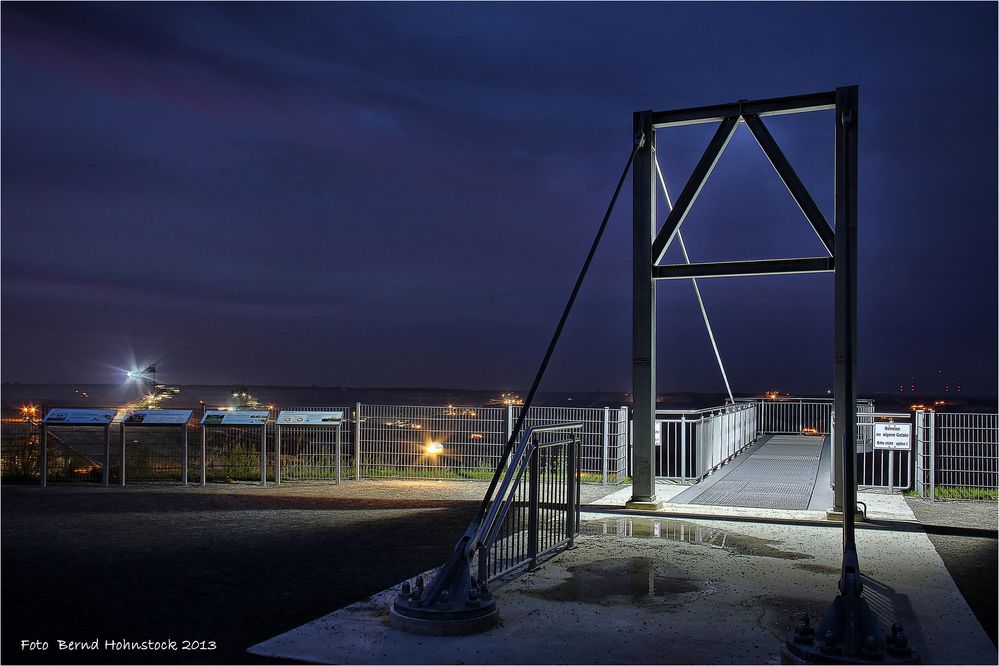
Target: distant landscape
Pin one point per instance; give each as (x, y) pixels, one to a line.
(14, 394)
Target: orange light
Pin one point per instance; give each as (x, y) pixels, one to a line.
(476, 435)
(434, 448)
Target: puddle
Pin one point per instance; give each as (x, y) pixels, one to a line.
(692, 533)
(634, 580)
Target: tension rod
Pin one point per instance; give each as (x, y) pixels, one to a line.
(639, 142)
(693, 281)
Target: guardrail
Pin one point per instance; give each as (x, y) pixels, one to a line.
(693, 443)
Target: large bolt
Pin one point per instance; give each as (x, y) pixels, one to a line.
(419, 582)
(830, 638)
(406, 589)
(871, 645)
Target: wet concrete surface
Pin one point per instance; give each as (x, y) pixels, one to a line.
(626, 594)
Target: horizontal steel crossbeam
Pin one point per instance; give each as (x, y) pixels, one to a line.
(763, 107)
(737, 268)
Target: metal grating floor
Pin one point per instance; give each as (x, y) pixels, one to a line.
(778, 475)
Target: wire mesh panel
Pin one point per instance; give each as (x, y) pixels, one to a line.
(152, 453)
(592, 434)
(880, 468)
(232, 453)
(966, 456)
(19, 442)
(76, 453)
(309, 452)
(398, 441)
(617, 445)
(544, 512)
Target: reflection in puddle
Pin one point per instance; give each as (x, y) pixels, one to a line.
(636, 580)
(688, 532)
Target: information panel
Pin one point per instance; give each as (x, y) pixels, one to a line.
(892, 436)
(64, 416)
(238, 417)
(329, 418)
(158, 417)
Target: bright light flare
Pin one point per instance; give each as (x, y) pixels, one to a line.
(434, 448)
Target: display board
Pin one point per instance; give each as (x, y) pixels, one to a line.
(893, 436)
(65, 416)
(327, 418)
(235, 417)
(157, 417)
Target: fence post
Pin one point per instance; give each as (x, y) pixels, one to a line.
(606, 444)
(338, 443)
(933, 458)
(121, 434)
(509, 422)
(263, 455)
(43, 455)
(277, 454)
(570, 517)
(204, 458)
(106, 472)
(357, 441)
(183, 462)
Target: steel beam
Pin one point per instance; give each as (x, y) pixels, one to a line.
(791, 181)
(693, 187)
(822, 101)
(643, 341)
(743, 268)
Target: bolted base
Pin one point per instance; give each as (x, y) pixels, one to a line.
(837, 638)
(443, 624)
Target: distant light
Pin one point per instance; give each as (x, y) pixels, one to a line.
(434, 448)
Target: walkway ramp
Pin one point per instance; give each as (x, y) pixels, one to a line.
(779, 473)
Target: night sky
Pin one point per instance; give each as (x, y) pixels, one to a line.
(402, 195)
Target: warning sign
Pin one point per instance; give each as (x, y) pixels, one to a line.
(892, 436)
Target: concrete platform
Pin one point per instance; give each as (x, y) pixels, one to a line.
(674, 591)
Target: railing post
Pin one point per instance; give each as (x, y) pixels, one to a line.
(121, 435)
(263, 455)
(683, 447)
(570, 513)
(509, 422)
(183, 462)
(357, 441)
(204, 458)
(338, 446)
(606, 445)
(532, 513)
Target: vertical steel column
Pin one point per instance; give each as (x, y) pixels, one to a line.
(571, 496)
(683, 447)
(183, 462)
(43, 455)
(204, 458)
(643, 341)
(933, 456)
(277, 454)
(106, 472)
(845, 297)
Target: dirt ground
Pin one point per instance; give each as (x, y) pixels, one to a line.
(229, 564)
(964, 535)
(237, 564)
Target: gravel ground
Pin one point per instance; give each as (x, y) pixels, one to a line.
(964, 535)
(233, 564)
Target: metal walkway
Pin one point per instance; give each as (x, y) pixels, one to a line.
(781, 472)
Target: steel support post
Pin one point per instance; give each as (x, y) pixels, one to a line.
(338, 444)
(106, 471)
(643, 341)
(606, 443)
(571, 496)
(532, 512)
(849, 633)
(357, 441)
